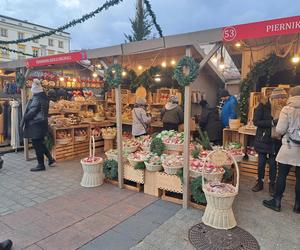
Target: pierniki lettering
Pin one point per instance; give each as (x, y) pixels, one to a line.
(283, 26)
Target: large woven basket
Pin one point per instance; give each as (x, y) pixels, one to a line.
(129, 150)
(171, 170)
(174, 147)
(208, 176)
(153, 168)
(218, 212)
(92, 171)
(238, 158)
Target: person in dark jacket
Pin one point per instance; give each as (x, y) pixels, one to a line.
(172, 114)
(6, 245)
(229, 109)
(265, 145)
(210, 122)
(35, 123)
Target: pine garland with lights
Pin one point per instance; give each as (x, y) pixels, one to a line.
(15, 51)
(70, 24)
(153, 16)
(113, 75)
(193, 71)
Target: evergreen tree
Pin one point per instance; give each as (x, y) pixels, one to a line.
(141, 25)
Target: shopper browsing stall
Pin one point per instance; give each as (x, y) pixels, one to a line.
(172, 114)
(229, 109)
(35, 124)
(141, 119)
(289, 154)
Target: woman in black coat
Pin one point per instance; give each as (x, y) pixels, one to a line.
(265, 145)
(35, 123)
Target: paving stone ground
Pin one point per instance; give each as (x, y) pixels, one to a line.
(274, 231)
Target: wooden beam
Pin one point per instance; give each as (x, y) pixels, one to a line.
(186, 143)
(119, 133)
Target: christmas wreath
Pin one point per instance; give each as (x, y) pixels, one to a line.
(113, 75)
(110, 169)
(196, 190)
(186, 71)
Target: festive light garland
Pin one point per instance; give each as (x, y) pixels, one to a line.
(72, 23)
(16, 51)
(151, 13)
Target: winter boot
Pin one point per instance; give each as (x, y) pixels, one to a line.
(274, 204)
(39, 167)
(1, 162)
(6, 245)
(272, 189)
(51, 162)
(297, 207)
(258, 186)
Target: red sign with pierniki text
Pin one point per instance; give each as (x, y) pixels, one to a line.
(276, 27)
(56, 59)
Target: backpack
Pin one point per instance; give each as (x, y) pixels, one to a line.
(293, 132)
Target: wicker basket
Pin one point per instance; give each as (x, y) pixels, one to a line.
(63, 141)
(153, 168)
(80, 138)
(171, 170)
(238, 158)
(133, 162)
(208, 176)
(218, 212)
(92, 171)
(129, 150)
(108, 137)
(174, 147)
(146, 149)
(253, 158)
(195, 174)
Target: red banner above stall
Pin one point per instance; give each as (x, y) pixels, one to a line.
(56, 59)
(275, 27)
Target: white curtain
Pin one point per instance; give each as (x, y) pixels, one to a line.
(15, 137)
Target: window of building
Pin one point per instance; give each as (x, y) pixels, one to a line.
(60, 44)
(21, 35)
(3, 52)
(3, 32)
(50, 42)
(35, 51)
(21, 47)
(35, 40)
(51, 52)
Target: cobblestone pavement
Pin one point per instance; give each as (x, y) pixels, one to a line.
(20, 188)
(274, 231)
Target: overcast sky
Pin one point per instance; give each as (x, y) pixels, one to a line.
(174, 16)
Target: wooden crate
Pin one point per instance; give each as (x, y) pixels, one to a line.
(63, 152)
(168, 182)
(232, 135)
(81, 148)
(249, 168)
(266, 91)
(150, 185)
(131, 174)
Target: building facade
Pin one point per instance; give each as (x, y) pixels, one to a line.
(13, 29)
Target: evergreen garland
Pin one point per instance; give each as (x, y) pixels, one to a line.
(15, 51)
(139, 165)
(265, 68)
(157, 146)
(196, 190)
(70, 24)
(113, 75)
(153, 16)
(110, 169)
(190, 63)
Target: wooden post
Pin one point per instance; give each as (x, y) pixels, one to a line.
(23, 103)
(119, 133)
(186, 144)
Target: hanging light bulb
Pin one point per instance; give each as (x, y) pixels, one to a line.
(113, 71)
(61, 79)
(95, 74)
(74, 79)
(173, 62)
(164, 64)
(238, 45)
(140, 67)
(157, 78)
(98, 66)
(295, 59)
(222, 60)
(215, 58)
(124, 73)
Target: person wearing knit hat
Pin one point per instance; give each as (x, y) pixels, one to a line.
(289, 154)
(35, 124)
(140, 119)
(172, 114)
